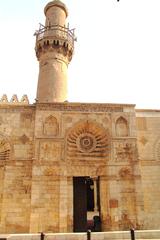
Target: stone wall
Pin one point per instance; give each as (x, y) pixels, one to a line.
(16, 153)
(43, 146)
(60, 128)
(148, 126)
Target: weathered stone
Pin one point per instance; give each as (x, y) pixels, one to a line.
(112, 148)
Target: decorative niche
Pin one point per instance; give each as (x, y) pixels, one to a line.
(121, 127)
(51, 126)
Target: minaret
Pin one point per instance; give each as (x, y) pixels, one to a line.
(54, 50)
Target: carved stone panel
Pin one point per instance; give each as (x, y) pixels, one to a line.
(50, 151)
(125, 151)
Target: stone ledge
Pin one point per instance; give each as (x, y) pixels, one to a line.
(141, 234)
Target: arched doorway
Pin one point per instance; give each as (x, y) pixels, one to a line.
(87, 155)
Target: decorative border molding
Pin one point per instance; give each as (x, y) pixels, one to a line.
(83, 107)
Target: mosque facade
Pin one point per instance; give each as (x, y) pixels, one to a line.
(68, 167)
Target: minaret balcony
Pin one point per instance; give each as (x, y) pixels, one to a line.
(55, 32)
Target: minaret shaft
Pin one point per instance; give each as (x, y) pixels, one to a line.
(54, 50)
(52, 82)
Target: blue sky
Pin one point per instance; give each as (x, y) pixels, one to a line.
(117, 55)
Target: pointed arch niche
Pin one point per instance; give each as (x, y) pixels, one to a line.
(51, 127)
(121, 127)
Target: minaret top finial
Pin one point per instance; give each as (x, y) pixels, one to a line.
(57, 3)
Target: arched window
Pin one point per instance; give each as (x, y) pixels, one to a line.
(121, 127)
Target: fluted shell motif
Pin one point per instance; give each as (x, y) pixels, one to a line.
(4, 149)
(87, 140)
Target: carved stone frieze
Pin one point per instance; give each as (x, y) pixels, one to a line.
(82, 107)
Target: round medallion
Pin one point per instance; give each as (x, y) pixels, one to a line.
(86, 142)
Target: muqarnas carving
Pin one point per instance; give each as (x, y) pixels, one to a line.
(51, 126)
(121, 127)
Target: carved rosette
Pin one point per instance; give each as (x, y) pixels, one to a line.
(87, 140)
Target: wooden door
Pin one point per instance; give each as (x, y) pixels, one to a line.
(80, 204)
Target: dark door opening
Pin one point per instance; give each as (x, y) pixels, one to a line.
(85, 203)
(90, 194)
(79, 204)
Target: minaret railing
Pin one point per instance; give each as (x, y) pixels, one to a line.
(57, 31)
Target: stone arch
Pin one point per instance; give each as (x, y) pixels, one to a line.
(5, 154)
(5, 149)
(87, 140)
(51, 127)
(121, 127)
